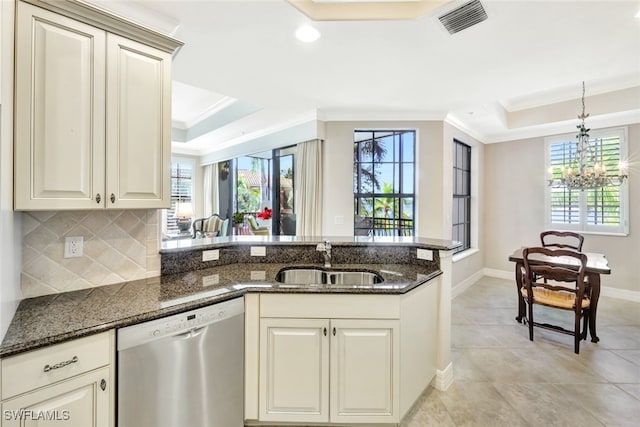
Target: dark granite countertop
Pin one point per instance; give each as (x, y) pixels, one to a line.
(173, 246)
(60, 317)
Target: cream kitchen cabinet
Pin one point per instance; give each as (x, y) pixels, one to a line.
(294, 369)
(68, 384)
(364, 373)
(93, 116)
(341, 370)
(338, 370)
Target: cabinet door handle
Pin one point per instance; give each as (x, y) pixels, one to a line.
(98, 198)
(113, 198)
(103, 384)
(48, 368)
(334, 332)
(324, 330)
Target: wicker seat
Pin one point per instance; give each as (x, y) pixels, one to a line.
(557, 287)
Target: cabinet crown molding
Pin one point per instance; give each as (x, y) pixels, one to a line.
(93, 15)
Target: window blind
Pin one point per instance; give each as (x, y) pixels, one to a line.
(181, 185)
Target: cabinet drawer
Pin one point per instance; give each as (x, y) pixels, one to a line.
(51, 364)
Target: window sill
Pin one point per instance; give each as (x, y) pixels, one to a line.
(591, 232)
(464, 254)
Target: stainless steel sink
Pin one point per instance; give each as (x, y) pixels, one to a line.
(353, 278)
(318, 276)
(306, 276)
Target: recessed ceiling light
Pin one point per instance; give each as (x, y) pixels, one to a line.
(307, 34)
(638, 14)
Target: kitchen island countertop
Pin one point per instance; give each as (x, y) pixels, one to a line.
(56, 318)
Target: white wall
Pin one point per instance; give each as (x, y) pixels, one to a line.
(10, 246)
(514, 213)
(337, 201)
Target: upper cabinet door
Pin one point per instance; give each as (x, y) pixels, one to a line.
(138, 125)
(59, 133)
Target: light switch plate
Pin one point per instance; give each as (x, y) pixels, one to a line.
(258, 251)
(425, 254)
(212, 255)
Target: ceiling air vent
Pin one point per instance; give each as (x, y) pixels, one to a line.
(464, 16)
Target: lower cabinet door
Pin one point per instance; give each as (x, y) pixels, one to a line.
(80, 401)
(294, 370)
(364, 371)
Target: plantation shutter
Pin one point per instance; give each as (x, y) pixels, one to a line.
(565, 203)
(598, 210)
(603, 204)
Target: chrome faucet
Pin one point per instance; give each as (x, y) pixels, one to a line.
(325, 248)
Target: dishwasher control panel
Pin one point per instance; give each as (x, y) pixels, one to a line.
(178, 323)
(189, 320)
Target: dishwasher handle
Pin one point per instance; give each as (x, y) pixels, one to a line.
(190, 334)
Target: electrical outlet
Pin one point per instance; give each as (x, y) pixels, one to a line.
(73, 246)
(258, 275)
(210, 280)
(258, 251)
(212, 255)
(425, 254)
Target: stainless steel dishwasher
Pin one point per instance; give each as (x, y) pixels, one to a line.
(183, 370)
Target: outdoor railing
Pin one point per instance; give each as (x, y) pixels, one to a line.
(368, 226)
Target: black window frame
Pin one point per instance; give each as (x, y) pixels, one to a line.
(384, 226)
(461, 208)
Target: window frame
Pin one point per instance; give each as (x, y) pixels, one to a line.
(582, 226)
(165, 212)
(466, 244)
(397, 163)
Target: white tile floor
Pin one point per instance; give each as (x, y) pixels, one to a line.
(503, 379)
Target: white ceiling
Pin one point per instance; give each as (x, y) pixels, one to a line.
(242, 73)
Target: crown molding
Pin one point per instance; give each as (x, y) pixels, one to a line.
(89, 13)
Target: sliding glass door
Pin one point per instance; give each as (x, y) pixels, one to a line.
(284, 218)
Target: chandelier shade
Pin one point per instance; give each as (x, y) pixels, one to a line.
(586, 167)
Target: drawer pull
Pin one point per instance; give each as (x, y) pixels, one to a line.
(98, 198)
(103, 384)
(48, 368)
(112, 198)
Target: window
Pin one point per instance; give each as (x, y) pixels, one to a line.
(182, 171)
(461, 195)
(383, 182)
(602, 210)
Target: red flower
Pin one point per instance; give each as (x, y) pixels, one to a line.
(265, 214)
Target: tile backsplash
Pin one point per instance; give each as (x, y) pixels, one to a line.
(118, 246)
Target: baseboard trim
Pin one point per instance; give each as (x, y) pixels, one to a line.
(633, 296)
(499, 274)
(443, 378)
(466, 283)
(624, 294)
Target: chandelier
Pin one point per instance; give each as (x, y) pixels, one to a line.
(584, 172)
